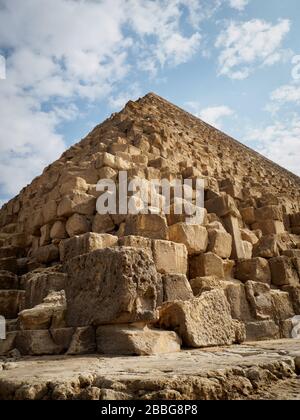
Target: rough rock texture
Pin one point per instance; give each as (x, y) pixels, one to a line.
(113, 285)
(245, 247)
(201, 322)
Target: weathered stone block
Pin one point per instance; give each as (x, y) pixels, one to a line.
(266, 213)
(78, 202)
(194, 237)
(46, 254)
(260, 300)
(77, 224)
(83, 341)
(170, 257)
(201, 322)
(294, 292)
(8, 344)
(222, 206)
(269, 227)
(38, 343)
(256, 269)
(103, 223)
(220, 243)
(237, 299)
(283, 272)
(83, 244)
(232, 226)
(58, 230)
(49, 314)
(135, 339)
(248, 215)
(262, 330)
(200, 285)
(9, 264)
(113, 285)
(205, 265)
(137, 242)
(152, 226)
(176, 287)
(282, 306)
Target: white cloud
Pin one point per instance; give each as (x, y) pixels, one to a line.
(71, 50)
(246, 45)
(280, 142)
(211, 115)
(286, 93)
(238, 4)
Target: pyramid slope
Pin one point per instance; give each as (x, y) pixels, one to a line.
(160, 130)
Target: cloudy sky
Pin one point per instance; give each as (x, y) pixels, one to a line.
(65, 65)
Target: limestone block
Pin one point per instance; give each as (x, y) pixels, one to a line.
(200, 285)
(45, 235)
(294, 292)
(137, 242)
(222, 206)
(256, 269)
(77, 202)
(77, 225)
(49, 211)
(170, 257)
(134, 339)
(110, 286)
(182, 211)
(220, 243)
(237, 299)
(268, 213)
(38, 343)
(248, 215)
(282, 305)
(84, 244)
(58, 230)
(270, 246)
(38, 285)
(295, 219)
(262, 330)
(201, 322)
(232, 226)
(269, 227)
(10, 303)
(83, 341)
(73, 184)
(283, 272)
(152, 226)
(260, 300)
(204, 265)
(249, 236)
(46, 254)
(8, 344)
(176, 287)
(194, 237)
(103, 223)
(49, 314)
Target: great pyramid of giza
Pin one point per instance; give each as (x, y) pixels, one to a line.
(77, 282)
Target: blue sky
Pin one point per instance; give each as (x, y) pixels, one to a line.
(66, 65)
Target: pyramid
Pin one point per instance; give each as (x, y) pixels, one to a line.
(75, 281)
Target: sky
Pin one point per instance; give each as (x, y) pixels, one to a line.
(66, 65)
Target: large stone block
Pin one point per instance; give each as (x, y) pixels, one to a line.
(83, 244)
(77, 224)
(39, 284)
(83, 341)
(260, 300)
(266, 213)
(256, 269)
(269, 227)
(11, 302)
(222, 206)
(294, 292)
(78, 202)
(40, 342)
(176, 287)
(200, 285)
(137, 242)
(270, 246)
(283, 272)
(9, 264)
(136, 339)
(194, 237)
(49, 314)
(113, 285)
(282, 305)
(202, 322)
(262, 330)
(152, 226)
(103, 223)
(237, 298)
(170, 257)
(205, 265)
(46, 254)
(220, 243)
(8, 344)
(232, 226)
